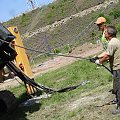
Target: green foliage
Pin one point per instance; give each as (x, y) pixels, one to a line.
(67, 76)
(108, 19)
(52, 6)
(101, 14)
(75, 73)
(57, 50)
(49, 15)
(73, 114)
(118, 27)
(40, 59)
(100, 36)
(93, 34)
(115, 13)
(67, 48)
(25, 20)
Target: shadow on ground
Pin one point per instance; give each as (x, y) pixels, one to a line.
(21, 112)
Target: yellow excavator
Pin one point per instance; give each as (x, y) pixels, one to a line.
(14, 57)
(22, 60)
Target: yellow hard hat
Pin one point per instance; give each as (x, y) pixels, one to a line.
(100, 20)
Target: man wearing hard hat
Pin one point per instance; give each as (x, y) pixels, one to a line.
(101, 23)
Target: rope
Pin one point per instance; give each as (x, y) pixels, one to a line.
(45, 52)
(78, 57)
(40, 87)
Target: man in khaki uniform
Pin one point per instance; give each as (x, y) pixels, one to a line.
(113, 55)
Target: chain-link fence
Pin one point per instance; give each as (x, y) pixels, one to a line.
(62, 38)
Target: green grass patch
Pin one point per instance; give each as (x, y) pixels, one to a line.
(71, 75)
(66, 76)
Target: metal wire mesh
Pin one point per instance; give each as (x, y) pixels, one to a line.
(72, 33)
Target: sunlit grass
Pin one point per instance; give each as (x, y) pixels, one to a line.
(66, 76)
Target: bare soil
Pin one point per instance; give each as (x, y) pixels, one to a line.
(84, 51)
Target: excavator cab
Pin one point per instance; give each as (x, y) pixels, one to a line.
(7, 53)
(5, 34)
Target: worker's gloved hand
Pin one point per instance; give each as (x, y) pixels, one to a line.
(94, 59)
(98, 62)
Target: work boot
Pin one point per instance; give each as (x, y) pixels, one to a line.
(112, 91)
(116, 111)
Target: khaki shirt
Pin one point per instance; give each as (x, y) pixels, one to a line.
(114, 52)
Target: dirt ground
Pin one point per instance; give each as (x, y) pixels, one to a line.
(85, 50)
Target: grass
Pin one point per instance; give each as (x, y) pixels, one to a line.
(67, 76)
(56, 107)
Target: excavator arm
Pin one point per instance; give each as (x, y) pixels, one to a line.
(7, 54)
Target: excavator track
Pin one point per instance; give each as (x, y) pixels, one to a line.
(8, 102)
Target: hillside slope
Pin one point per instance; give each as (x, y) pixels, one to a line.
(45, 15)
(73, 30)
(64, 24)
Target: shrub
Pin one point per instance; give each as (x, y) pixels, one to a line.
(67, 48)
(118, 27)
(101, 14)
(49, 15)
(24, 19)
(57, 50)
(115, 13)
(108, 19)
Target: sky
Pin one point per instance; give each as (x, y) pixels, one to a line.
(12, 8)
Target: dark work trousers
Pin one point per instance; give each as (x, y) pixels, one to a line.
(116, 85)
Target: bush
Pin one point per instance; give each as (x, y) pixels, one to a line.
(118, 27)
(67, 48)
(101, 14)
(115, 13)
(108, 19)
(25, 20)
(49, 15)
(57, 50)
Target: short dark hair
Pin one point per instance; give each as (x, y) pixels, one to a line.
(111, 30)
